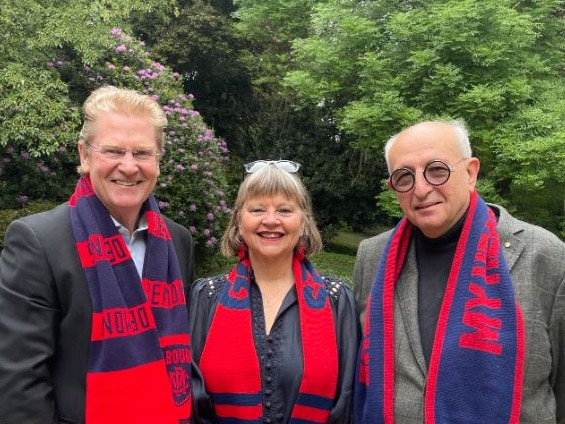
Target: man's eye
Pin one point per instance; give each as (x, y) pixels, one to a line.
(114, 151)
(404, 177)
(437, 170)
(143, 154)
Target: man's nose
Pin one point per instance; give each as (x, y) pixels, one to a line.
(421, 185)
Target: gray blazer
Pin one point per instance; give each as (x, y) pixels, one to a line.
(45, 318)
(536, 259)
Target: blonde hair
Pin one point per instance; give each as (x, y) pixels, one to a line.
(125, 101)
(270, 181)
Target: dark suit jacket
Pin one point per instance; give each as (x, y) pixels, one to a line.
(45, 318)
(536, 259)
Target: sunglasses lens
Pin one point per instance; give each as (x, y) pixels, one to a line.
(287, 166)
(284, 165)
(252, 167)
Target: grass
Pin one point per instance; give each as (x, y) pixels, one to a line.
(338, 258)
(337, 264)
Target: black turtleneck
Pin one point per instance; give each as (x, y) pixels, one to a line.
(434, 258)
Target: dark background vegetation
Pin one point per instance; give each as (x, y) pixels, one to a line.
(324, 83)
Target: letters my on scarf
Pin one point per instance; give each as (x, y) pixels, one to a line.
(476, 367)
(140, 359)
(229, 361)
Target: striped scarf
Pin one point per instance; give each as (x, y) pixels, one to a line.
(229, 360)
(476, 366)
(139, 367)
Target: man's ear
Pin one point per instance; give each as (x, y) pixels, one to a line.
(84, 158)
(473, 167)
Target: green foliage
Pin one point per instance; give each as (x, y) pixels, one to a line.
(201, 42)
(71, 49)
(192, 188)
(380, 66)
(8, 215)
(35, 112)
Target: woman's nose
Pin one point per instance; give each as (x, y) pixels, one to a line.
(270, 217)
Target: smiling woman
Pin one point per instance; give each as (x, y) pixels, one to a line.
(283, 333)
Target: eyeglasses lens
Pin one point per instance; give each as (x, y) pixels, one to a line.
(436, 173)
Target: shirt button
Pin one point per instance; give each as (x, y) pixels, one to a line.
(267, 405)
(268, 379)
(269, 352)
(268, 392)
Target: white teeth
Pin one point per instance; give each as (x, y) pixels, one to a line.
(270, 235)
(126, 183)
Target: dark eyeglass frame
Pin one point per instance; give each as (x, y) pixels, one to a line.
(403, 172)
(284, 165)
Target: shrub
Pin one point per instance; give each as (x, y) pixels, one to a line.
(192, 189)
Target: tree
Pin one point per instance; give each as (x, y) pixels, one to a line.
(35, 111)
(380, 66)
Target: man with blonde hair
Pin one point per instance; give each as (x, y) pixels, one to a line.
(93, 319)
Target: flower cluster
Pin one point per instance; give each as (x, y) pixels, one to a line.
(192, 187)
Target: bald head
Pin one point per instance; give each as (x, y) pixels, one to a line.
(455, 130)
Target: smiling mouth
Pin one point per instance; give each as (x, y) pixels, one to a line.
(426, 206)
(270, 235)
(126, 183)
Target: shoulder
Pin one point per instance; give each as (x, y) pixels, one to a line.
(208, 287)
(535, 237)
(336, 287)
(372, 245)
(43, 224)
(175, 227)
(58, 214)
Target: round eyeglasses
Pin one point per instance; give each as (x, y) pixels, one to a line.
(284, 165)
(436, 173)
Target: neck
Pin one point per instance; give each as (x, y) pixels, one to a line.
(269, 272)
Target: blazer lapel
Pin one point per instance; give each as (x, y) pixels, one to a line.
(406, 322)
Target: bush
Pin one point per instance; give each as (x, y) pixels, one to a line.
(192, 189)
(8, 215)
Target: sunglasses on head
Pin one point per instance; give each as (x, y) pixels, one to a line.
(284, 165)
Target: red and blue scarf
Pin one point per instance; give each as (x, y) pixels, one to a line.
(140, 360)
(229, 360)
(476, 367)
